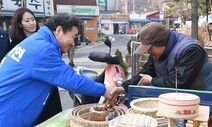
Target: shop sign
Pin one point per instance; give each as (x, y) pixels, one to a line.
(137, 16)
(115, 16)
(161, 15)
(78, 10)
(35, 5)
(210, 18)
(11, 5)
(102, 2)
(90, 28)
(49, 8)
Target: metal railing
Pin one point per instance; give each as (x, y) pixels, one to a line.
(209, 51)
(137, 60)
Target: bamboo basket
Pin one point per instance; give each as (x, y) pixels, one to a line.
(79, 117)
(133, 120)
(162, 122)
(178, 105)
(145, 106)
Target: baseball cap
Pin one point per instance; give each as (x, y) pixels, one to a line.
(153, 33)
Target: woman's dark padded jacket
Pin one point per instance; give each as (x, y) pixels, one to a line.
(4, 44)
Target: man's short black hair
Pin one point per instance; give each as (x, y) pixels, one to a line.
(66, 20)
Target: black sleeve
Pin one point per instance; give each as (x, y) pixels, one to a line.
(132, 81)
(148, 68)
(188, 67)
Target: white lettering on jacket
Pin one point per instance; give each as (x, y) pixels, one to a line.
(16, 53)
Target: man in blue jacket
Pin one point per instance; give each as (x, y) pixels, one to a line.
(4, 40)
(35, 65)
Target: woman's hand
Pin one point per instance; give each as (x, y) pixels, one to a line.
(145, 80)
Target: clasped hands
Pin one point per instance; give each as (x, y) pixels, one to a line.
(111, 92)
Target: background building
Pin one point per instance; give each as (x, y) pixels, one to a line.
(87, 11)
(41, 9)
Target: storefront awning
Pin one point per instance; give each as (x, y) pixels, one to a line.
(156, 19)
(140, 20)
(10, 14)
(172, 19)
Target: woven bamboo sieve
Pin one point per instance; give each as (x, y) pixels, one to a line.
(146, 106)
(133, 120)
(79, 116)
(162, 122)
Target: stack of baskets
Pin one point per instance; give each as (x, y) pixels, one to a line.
(80, 114)
(149, 107)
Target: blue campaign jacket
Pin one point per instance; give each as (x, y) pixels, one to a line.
(4, 44)
(28, 74)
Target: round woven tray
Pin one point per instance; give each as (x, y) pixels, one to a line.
(162, 122)
(133, 120)
(146, 106)
(80, 114)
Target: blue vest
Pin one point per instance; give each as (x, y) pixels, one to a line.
(178, 44)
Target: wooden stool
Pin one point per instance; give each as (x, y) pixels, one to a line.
(203, 116)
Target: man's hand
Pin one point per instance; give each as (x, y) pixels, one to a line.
(145, 80)
(112, 92)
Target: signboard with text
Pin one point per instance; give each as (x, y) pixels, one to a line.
(114, 16)
(35, 5)
(161, 15)
(210, 18)
(11, 5)
(49, 7)
(79, 10)
(102, 2)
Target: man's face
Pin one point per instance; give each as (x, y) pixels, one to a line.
(66, 40)
(156, 51)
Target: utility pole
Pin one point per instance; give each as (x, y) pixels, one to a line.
(207, 25)
(126, 6)
(105, 5)
(194, 19)
(23, 3)
(133, 6)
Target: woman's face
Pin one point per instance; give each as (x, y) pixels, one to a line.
(28, 23)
